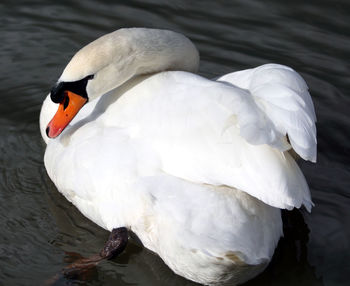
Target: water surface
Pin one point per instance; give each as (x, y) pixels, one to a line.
(39, 227)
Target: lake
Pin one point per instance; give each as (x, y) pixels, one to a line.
(40, 229)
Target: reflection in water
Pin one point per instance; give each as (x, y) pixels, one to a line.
(289, 264)
(38, 225)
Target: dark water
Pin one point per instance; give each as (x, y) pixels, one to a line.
(38, 227)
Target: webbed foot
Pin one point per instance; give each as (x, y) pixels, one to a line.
(83, 268)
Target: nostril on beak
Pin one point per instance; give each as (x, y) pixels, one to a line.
(47, 131)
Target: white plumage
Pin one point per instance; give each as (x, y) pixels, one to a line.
(198, 169)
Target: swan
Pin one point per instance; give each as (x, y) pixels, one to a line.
(198, 169)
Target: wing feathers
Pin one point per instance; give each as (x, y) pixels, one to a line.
(283, 98)
(219, 134)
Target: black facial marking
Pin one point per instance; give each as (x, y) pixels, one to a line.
(66, 102)
(78, 87)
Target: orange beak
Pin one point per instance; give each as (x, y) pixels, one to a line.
(67, 109)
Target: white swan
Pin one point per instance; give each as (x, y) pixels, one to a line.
(198, 169)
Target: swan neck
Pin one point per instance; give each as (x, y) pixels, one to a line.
(119, 56)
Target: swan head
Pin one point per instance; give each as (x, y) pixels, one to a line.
(113, 59)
